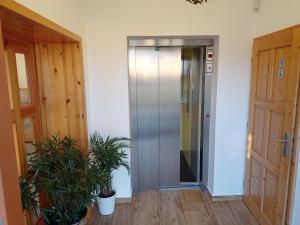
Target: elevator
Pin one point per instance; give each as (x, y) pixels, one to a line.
(166, 88)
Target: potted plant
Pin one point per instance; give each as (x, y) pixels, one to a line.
(108, 154)
(66, 179)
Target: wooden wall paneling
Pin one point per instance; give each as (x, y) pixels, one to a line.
(71, 93)
(52, 81)
(59, 105)
(40, 71)
(80, 87)
(45, 82)
(34, 90)
(62, 97)
(10, 203)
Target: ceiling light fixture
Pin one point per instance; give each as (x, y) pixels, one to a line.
(195, 2)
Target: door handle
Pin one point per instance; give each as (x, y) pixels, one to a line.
(285, 142)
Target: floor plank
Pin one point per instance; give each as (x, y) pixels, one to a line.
(191, 200)
(123, 214)
(217, 212)
(186, 207)
(228, 212)
(170, 196)
(104, 220)
(145, 201)
(100, 220)
(171, 214)
(241, 213)
(171, 211)
(197, 218)
(146, 218)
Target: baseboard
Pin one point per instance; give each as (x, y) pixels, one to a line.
(225, 198)
(123, 200)
(213, 198)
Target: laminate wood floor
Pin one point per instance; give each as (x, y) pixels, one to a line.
(185, 207)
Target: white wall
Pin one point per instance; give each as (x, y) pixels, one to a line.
(277, 14)
(105, 29)
(108, 25)
(67, 13)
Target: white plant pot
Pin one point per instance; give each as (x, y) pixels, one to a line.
(107, 205)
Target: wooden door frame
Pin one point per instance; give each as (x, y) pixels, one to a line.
(11, 200)
(296, 148)
(22, 112)
(32, 110)
(282, 38)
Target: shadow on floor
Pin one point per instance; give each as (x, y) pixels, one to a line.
(186, 174)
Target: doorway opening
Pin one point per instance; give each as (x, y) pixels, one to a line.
(169, 83)
(191, 107)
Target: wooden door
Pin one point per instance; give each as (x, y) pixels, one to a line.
(271, 126)
(23, 89)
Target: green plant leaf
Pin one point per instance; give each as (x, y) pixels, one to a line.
(65, 175)
(107, 155)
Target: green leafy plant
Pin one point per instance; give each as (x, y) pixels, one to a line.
(28, 197)
(108, 154)
(64, 176)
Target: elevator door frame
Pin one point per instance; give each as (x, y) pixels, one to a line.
(133, 42)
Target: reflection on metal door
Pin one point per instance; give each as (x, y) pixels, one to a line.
(156, 83)
(147, 117)
(169, 117)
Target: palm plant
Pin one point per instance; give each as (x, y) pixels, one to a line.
(64, 176)
(108, 154)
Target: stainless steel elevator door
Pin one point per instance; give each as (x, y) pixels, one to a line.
(147, 91)
(170, 69)
(158, 87)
